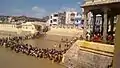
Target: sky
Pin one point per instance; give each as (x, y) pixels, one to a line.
(36, 8)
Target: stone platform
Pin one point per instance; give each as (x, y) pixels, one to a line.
(85, 54)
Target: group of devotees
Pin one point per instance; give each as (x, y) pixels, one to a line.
(16, 44)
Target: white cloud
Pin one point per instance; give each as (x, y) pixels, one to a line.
(67, 8)
(38, 9)
(79, 3)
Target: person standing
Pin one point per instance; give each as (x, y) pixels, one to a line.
(59, 46)
(55, 45)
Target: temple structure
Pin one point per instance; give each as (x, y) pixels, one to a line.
(108, 9)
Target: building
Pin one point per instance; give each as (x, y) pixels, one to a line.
(70, 17)
(20, 28)
(78, 19)
(57, 18)
(0, 21)
(28, 27)
(62, 17)
(108, 10)
(54, 19)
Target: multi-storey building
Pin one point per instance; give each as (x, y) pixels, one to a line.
(70, 17)
(62, 18)
(66, 18)
(53, 20)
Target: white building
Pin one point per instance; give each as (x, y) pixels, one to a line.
(70, 17)
(53, 19)
(1, 21)
(26, 28)
(10, 19)
(78, 19)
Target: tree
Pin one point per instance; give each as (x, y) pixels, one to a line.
(45, 29)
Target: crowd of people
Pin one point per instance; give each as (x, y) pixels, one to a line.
(15, 44)
(97, 37)
(69, 43)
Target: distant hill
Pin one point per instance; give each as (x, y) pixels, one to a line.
(25, 18)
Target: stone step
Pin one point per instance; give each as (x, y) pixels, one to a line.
(96, 46)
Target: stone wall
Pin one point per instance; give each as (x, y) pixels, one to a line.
(8, 27)
(77, 58)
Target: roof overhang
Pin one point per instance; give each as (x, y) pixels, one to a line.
(99, 4)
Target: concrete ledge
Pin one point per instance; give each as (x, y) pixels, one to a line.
(85, 54)
(96, 46)
(96, 52)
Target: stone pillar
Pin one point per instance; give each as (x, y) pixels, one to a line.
(102, 23)
(112, 23)
(105, 26)
(94, 21)
(85, 24)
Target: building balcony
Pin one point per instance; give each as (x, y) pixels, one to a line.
(95, 2)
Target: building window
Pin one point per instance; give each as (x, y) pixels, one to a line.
(72, 19)
(72, 14)
(99, 22)
(26, 27)
(78, 14)
(55, 15)
(51, 17)
(50, 21)
(54, 20)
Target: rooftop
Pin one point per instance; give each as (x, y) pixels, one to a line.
(98, 2)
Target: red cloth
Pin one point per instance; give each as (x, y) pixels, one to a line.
(96, 39)
(110, 37)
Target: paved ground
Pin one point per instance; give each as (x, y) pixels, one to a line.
(65, 32)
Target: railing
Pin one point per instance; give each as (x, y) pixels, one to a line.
(92, 2)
